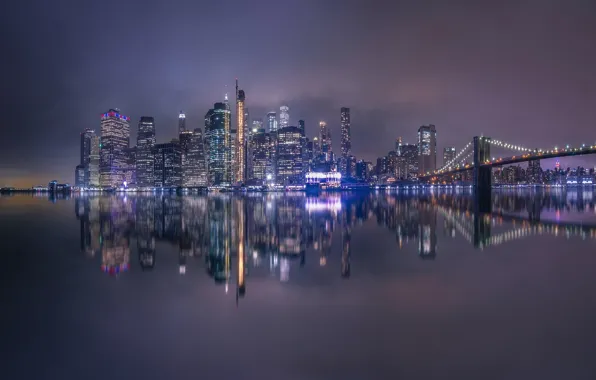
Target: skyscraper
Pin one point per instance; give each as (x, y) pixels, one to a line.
(130, 176)
(185, 138)
(181, 122)
(86, 137)
(271, 122)
(448, 155)
(115, 138)
(194, 172)
(261, 157)
(145, 144)
(325, 141)
(301, 126)
(407, 160)
(217, 139)
(284, 117)
(289, 156)
(427, 149)
(93, 168)
(346, 134)
(240, 161)
(80, 176)
(167, 165)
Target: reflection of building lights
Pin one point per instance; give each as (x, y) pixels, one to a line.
(321, 205)
(284, 270)
(322, 261)
(182, 269)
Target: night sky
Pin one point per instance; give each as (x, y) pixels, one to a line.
(521, 71)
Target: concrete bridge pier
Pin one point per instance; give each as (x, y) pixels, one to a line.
(482, 178)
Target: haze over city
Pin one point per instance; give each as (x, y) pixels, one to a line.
(519, 71)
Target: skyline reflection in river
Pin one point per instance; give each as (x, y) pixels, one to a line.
(233, 234)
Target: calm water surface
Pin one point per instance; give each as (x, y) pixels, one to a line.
(351, 286)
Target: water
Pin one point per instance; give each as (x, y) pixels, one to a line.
(350, 286)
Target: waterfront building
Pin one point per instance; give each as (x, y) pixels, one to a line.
(115, 138)
(427, 149)
(144, 156)
(167, 164)
(194, 171)
(80, 176)
(130, 169)
(218, 142)
(325, 141)
(289, 156)
(86, 137)
(93, 166)
(346, 134)
(261, 155)
(241, 126)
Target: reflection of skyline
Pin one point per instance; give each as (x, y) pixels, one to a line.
(233, 233)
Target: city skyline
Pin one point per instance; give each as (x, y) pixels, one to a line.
(505, 70)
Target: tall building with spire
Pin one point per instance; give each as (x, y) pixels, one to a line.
(181, 122)
(115, 139)
(144, 155)
(241, 127)
(284, 117)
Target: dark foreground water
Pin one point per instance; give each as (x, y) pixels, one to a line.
(357, 286)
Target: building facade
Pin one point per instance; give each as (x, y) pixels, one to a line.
(167, 165)
(115, 138)
(261, 155)
(144, 156)
(93, 168)
(271, 122)
(240, 161)
(284, 117)
(218, 141)
(427, 149)
(289, 156)
(325, 142)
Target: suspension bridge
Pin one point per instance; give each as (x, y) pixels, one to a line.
(475, 157)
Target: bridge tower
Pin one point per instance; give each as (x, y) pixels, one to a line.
(482, 174)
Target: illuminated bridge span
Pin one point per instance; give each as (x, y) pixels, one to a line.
(476, 157)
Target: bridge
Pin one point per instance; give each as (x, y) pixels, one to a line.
(476, 157)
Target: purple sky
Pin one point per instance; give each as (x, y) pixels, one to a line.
(520, 71)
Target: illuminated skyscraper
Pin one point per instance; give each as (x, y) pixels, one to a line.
(93, 168)
(181, 122)
(284, 117)
(407, 160)
(145, 143)
(130, 176)
(261, 157)
(448, 154)
(217, 139)
(240, 161)
(325, 141)
(427, 149)
(346, 134)
(82, 172)
(115, 138)
(289, 156)
(167, 165)
(271, 122)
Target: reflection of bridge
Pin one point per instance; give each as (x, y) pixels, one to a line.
(477, 227)
(476, 157)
